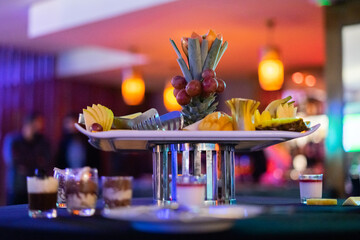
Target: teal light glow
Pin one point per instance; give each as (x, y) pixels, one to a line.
(351, 132)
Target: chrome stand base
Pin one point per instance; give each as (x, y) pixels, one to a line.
(215, 162)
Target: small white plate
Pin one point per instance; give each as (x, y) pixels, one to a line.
(167, 220)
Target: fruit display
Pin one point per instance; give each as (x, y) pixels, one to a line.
(98, 118)
(280, 115)
(196, 90)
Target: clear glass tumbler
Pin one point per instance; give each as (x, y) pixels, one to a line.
(116, 191)
(190, 191)
(81, 189)
(59, 174)
(42, 195)
(310, 186)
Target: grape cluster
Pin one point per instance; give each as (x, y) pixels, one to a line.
(184, 91)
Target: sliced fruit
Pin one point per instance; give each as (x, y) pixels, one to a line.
(216, 121)
(210, 36)
(286, 110)
(102, 119)
(242, 111)
(131, 116)
(284, 124)
(352, 201)
(94, 113)
(272, 107)
(108, 117)
(89, 119)
(321, 201)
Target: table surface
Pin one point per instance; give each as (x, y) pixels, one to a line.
(284, 218)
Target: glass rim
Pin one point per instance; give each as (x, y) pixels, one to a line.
(311, 176)
(188, 179)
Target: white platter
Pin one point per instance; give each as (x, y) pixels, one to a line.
(115, 140)
(166, 220)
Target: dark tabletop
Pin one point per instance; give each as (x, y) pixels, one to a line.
(284, 218)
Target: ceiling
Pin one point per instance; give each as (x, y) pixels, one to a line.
(299, 33)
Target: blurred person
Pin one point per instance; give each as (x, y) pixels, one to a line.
(74, 150)
(24, 152)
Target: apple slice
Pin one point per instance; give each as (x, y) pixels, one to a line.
(94, 113)
(89, 119)
(108, 116)
(102, 116)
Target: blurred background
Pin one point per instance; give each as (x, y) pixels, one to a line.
(60, 56)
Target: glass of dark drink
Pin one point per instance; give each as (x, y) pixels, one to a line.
(81, 189)
(116, 191)
(42, 196)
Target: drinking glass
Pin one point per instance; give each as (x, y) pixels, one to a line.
(310, 186)
(190, 191)
(42, 194)
(81, 188)
(116, 191)
(59, 174)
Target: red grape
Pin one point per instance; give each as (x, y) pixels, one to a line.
(96, 127)
(209, 85)
(193, 88)
(183, 98)
(208, 73)
(176, 91)
(178, 82)
(222, 85)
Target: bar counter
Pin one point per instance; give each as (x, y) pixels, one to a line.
(284, 218)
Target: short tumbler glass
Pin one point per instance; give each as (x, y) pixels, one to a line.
(59, 174)
(81, 189)
(42, 194)
(310, 186)
(190, 191)
(116, 191)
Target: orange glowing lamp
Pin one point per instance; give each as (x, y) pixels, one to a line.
(169, 99)
(133, 89)
(271, 69)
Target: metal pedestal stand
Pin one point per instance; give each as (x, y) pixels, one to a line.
(216, 162)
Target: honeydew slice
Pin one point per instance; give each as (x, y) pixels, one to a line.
(321, 201)
(352, 201)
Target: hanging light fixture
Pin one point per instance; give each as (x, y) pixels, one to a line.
(132, 87)
(169, 99)
(271, 68)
